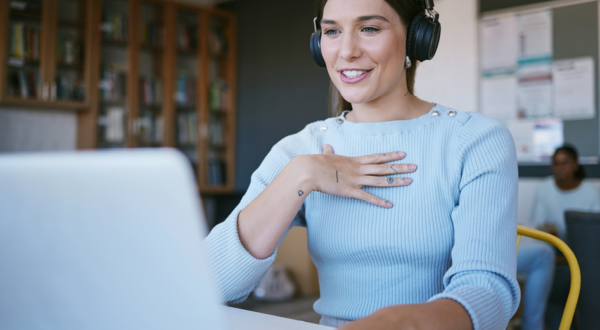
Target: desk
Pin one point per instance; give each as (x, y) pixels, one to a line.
(239, 319)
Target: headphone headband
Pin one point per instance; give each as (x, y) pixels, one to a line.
(429, 4)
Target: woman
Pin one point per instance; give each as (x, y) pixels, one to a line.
(563, 191)
(395, 247)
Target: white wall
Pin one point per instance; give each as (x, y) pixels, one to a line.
(451, 78)
(37, 130)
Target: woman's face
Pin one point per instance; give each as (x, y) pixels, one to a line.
(563, 166)
(364, 46)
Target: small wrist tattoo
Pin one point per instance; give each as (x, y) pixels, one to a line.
(390, 180)
(336, 177)
(300, 192)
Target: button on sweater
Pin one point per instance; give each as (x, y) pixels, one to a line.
(450, 234)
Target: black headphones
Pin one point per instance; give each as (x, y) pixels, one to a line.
(422, 38)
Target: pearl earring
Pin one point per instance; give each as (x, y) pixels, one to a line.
(408, 63)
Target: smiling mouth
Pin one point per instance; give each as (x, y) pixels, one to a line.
(354, 73)
(354, 76)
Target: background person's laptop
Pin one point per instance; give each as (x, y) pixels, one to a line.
(102, 240)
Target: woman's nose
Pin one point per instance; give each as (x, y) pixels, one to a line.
(350, 48)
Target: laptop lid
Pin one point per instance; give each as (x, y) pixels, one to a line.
(103, 240)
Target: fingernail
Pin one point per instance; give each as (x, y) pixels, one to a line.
(388, 204)
(407, 180)
(412, 167)
(401, 153)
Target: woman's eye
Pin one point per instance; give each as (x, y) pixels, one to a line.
(331, 32)
(370, 29)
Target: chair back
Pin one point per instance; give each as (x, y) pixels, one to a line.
(567, 318)
(583, 234)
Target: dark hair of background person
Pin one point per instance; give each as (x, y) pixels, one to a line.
(407, 10)
(572, 153)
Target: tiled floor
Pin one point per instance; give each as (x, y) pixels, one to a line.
(300, 308)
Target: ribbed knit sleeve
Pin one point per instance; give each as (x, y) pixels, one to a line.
(237, 272)
(483, 273)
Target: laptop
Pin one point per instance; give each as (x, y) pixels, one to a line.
(103, 240)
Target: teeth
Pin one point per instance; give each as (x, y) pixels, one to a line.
(353, 73)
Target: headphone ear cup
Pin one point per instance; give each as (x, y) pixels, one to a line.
(423, 38)
(315, 48)
(428, 39)
(411, 36)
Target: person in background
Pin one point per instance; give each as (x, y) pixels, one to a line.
(563, 191)
(566, 190)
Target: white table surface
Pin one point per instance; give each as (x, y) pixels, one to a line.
(239, 319)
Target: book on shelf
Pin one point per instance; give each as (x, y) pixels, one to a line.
(186, 128)
(186, 37)
(217, 41)
(112, 124)
(186, 91)
(114, 26)
(69, 89)
(215, 132)
(68, 50)
(150, 91)
(149, 127)
(30, 5)
(24, 84)
(152, 34)
(113, 82)
(216, 170)
(220, 96)
(24, 42)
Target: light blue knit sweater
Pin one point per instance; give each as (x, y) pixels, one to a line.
(451, 233)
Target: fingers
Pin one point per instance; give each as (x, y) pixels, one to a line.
(327, 149)
(369, 198)
(383, 181)
(386, 169)
(380, 158)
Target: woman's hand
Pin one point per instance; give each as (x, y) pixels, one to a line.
(344, 176)
(443, 314)
(262, 223)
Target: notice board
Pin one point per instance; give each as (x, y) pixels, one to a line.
(575, 34)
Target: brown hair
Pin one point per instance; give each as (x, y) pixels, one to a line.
(406, 9)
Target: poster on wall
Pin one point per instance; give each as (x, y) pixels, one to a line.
(536, 139)
(498, 43)
(535, 89)
(574, 88)
(499, 63)
(522, 133)
(535, 35)
(534, 72)
(547, 137)
(499, 96)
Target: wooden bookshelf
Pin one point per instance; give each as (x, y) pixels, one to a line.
(192, 70)
(220, 64)
(33, 36)
(183, 65)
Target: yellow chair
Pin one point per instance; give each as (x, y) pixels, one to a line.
(567, 318)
